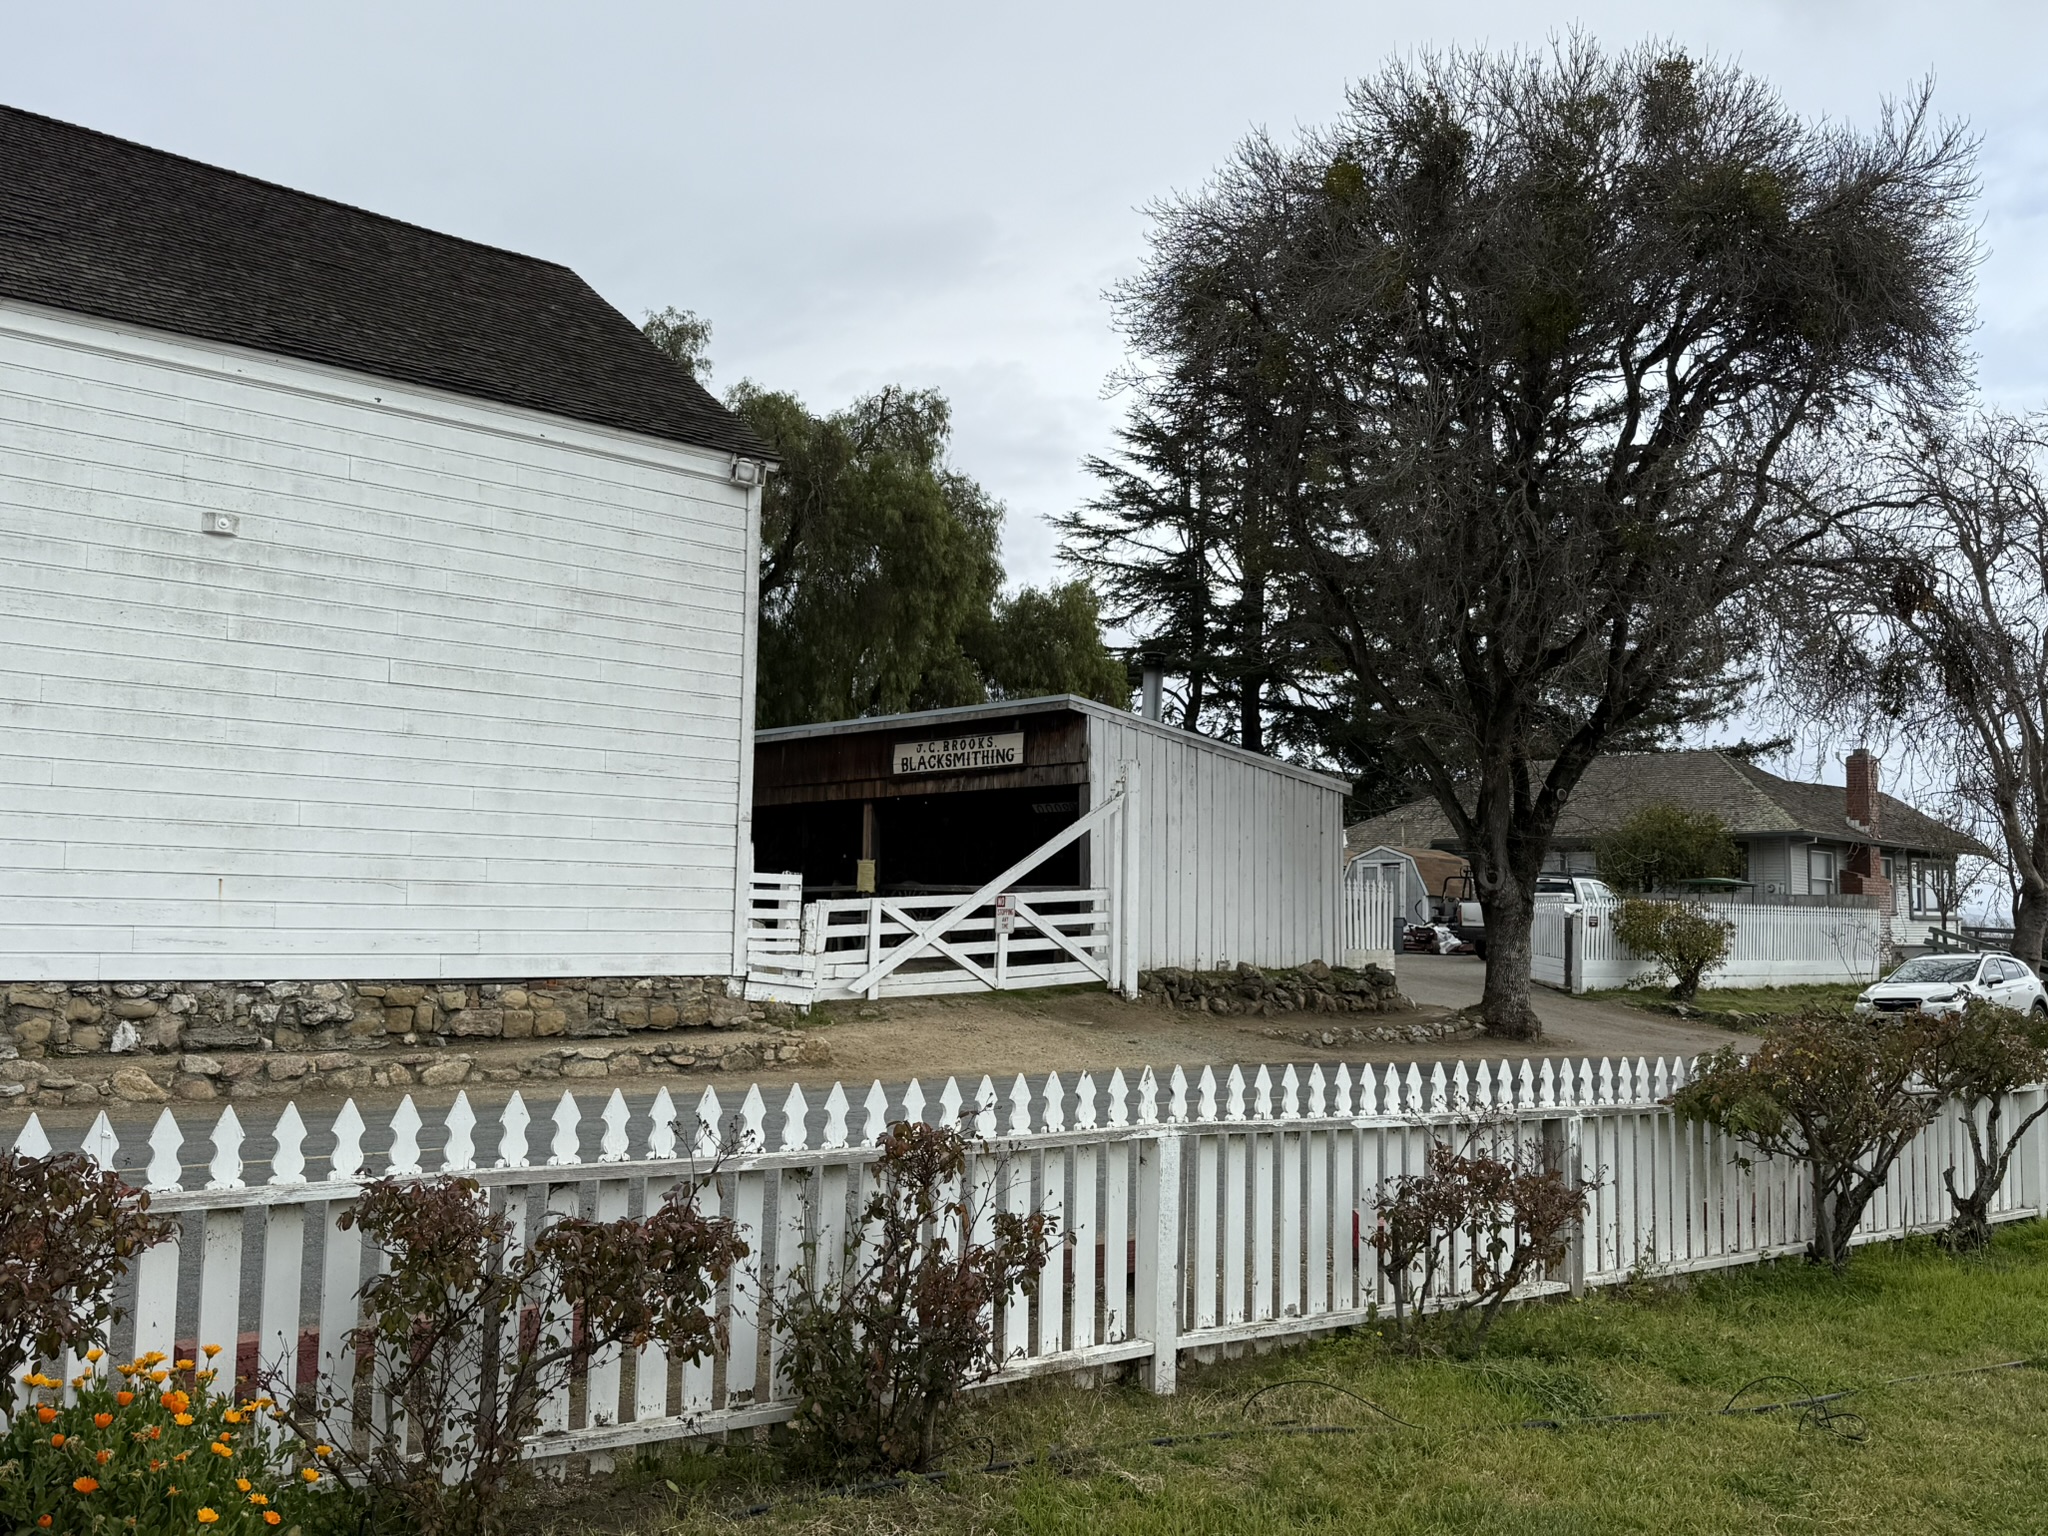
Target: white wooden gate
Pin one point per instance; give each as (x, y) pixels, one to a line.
(1372, 914)
(1003, 937)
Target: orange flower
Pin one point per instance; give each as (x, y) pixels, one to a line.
(272, 1517)
(47, 1414)
(57, 1440)
(207, 1517)
(46, 1521)
(185, 1365)
(232, 1417)
(156, 1431)
(177, 1402)
(102, 1420)
(104, 1457)
(210, 1351)
(124, 1398)
(159, 1376)
(156, 1466)
(220, 1450)
(242, 1483)
(182, 1420)
(85, 1484)
(323, 1450)
(257, 1498)
(311, 1474)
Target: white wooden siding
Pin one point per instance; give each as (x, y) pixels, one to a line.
(1243, 858)
(466, 697)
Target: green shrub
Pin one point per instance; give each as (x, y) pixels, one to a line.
(1662, 844)
(1681, 937)
(1980, 1056)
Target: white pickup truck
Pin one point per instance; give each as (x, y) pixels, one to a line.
(1566, 890)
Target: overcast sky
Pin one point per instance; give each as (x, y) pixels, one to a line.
(924, 194)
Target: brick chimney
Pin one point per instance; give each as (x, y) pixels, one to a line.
(1863, 791)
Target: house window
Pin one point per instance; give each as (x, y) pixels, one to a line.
(1820, 871)
(1929, 877)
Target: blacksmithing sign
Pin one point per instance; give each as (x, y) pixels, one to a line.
(953, 754)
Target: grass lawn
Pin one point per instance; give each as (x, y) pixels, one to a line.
(1742, 1008)
(1958, 1453)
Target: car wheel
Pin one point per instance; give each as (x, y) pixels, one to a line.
(2040, 1009)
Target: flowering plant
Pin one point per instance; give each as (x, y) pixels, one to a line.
(150, 1447)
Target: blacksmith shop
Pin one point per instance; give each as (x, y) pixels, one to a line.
(1242, 855)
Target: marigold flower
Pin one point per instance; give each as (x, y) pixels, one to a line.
(46, 1521)
(177, 1402)
(47, 1414)
(94, 1354)
(102, 1420)
(185, 1365)
(207, 1517)
(159, 1376)
(104, 1457)
(259, 1499)
(232, 1417)
(57, 1440)
(182, 1420)
(156, 1431)
(242, 1484)
(323, 1450)
(210, 1351)
(85, 1484)
(204, 1375)
(220, 1450)
(157, 1466)
(311, 1474)
(124, 1397)
(272, 1517)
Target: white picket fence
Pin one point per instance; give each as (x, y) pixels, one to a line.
(1372, 914)
(1773, 946)
(1195, 1213)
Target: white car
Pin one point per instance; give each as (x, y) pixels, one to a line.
(1947, 983)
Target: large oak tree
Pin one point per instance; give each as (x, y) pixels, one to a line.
(1549, 360)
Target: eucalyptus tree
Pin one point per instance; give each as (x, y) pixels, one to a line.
(1546, 363)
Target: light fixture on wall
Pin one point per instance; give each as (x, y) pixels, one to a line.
(747, 471)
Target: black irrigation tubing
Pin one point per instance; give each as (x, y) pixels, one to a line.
(1815, 1409)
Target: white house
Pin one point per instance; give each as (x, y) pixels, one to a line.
(373, 603)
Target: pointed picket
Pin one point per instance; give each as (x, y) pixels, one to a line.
(661, 1127)
(566, 1150)
(1660, 1082)
(1318, 1093)
(1439, 1090)
(1525, 1086)
(710, 1138)
(836, 1107)
(288, 1162)
(1054, 1100)
(514, 1119)
(1391, 1100)
(796, 1120)
(347, 1160)
(1340, 1101)
(33, 1141)
(1177, 1097)
(1148, 1097)
(405, 1138)
(877, 1121)
(913, 1102)
(1290, 1093)
(165, 1171)
(1234, 1100)
(1461, 1088)
(1412, 1091)
(1604, 1082)
(1262, 1094)
(1205, 1108)
(1118, 1109)
(101, 1143)
(225, 1171)
(614, 1146)
(949, 1104)
(459, 1155)
(752, 1132)
(1546, 1086)
(1482, 1087)
(1585, 1096)
(985, 1108)
(1084, 1103)
(1020, 1107)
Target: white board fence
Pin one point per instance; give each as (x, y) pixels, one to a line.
(1196, 1213)
(1372, 914)
(1576, 948)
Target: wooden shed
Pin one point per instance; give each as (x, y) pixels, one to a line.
(1234, 857)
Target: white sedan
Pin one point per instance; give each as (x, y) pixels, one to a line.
(1948, 983)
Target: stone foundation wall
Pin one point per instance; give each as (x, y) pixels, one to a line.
(1312, 988)
(134, 1042)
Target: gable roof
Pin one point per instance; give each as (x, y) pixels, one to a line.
(1752, 802)
(105, 227)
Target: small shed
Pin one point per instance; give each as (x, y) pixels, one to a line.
(1237, 857)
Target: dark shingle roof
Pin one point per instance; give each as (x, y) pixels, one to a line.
(108, 228)
(1752, 802)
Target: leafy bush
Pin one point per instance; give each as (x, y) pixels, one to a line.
(468, 1335)
(1516, 1214)
(1979, 1056)
(1682, 938)
(149, 1450)
(1662, 844)
(878, 1355)
(67, 1231)
(1842, 1095)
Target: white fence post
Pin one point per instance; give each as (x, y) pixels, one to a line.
(1131, 866)
(1159, 1257)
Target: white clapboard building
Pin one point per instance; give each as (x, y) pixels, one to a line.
(373, 603)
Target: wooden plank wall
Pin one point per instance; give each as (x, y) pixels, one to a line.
(464, 698)
(1245, 859)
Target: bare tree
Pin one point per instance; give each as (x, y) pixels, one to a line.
(1550, 358)
(1940, 628)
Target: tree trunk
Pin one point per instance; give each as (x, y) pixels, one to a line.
(1504, 1009)
(2030, 926)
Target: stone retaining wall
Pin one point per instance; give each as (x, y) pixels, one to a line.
(87, 1042)
(1246, 989)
